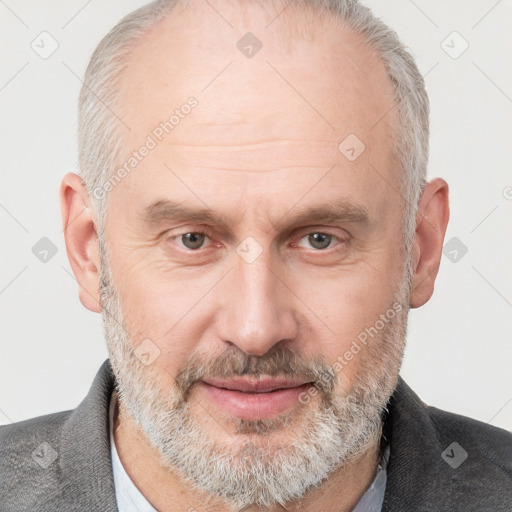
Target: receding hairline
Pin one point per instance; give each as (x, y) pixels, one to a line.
(280, 12)
(295, 19)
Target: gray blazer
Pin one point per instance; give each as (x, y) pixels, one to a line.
(61, 462)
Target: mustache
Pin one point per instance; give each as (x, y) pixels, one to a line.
(280, 361)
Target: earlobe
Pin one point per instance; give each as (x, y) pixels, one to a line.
(81, 239)
(431, 223)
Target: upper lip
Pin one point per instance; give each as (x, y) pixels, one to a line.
(260, 385)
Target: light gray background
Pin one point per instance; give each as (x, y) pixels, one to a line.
(459, 354)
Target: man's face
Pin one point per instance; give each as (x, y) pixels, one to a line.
(260, 289)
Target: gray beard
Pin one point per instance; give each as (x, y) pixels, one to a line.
(334, 428)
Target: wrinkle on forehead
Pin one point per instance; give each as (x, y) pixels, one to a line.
(264, 156)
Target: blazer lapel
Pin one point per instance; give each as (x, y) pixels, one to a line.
(416, 475)
(84, 454)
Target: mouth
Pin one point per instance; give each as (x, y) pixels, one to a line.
(253, 399)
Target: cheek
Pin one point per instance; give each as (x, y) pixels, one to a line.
(148, 307)
(154, 319)
(166, 310)
(347, 305)
(153, 300)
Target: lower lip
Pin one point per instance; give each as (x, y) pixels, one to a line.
(254, 406)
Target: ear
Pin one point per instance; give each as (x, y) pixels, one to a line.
(431, 222)
(81, 239)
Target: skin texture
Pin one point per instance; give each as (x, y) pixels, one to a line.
(261, 145)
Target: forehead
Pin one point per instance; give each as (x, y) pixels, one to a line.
(311, 84)
(318, 78)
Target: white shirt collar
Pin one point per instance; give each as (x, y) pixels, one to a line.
(129, 498)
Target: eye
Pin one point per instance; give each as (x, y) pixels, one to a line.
(192, 240)
(318, 240)
(196, 240)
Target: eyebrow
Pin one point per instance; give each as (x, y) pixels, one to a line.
(335, 211)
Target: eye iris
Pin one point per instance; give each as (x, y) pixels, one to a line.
(319, 240)
(193, 240)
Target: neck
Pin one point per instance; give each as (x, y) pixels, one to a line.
(167, 491)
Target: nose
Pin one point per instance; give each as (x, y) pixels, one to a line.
(258, 312)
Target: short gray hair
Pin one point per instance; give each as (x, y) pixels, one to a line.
(100, 130)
